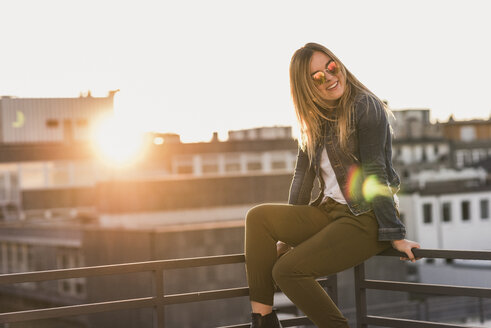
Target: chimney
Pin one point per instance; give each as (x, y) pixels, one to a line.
(215, 137)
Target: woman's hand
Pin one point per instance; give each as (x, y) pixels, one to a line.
(282, 248)
(404, 246)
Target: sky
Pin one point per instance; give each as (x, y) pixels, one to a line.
(195, 67)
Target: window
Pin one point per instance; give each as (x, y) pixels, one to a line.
(232, 163)
(210, 168)
(58, 173)
(252, 134)
(82, 122)
(183, 164)
(459, 159)
(447, 212)
(52, 123)
(65, 286)
(3, 190)
(254, 166)
(11, 258)
(279, 160)
(466, 210)
(17, 257)
(467, 158)
(278, 165)
(84, 173)
(210, 164)
(467, 133)
(475, 155)
(79, 288)
(427, 218)
(71, 258)
(3, 258)
(32, 175)
(232, 167)
(484, 204)
(254, 162)
(185, 169)
(14, 257)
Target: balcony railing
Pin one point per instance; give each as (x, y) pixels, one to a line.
(160, 299)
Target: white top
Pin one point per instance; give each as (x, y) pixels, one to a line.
(331, 188)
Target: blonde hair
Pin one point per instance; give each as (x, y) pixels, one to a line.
(310, 107)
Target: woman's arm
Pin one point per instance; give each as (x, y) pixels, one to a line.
(373, 135)
(303, 180)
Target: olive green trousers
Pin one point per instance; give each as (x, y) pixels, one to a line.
(326, 239)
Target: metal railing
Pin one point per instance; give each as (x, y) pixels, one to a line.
(362, 284)
(159, 300)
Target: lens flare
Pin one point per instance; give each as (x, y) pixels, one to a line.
(354, 177)
(373, 188)
(370, 186)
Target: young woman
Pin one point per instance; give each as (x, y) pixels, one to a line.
(346, 144)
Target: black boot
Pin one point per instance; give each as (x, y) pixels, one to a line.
(268, 321)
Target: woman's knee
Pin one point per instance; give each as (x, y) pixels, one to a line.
(257, 215)
(282, 270)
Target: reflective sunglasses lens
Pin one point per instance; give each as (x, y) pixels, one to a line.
(332, 67)
(319, 78)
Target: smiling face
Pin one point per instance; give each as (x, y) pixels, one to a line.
(332, 87)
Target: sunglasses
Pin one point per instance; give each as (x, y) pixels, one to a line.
(320, 76)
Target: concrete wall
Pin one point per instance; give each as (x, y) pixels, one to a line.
(127, 197)
(117, 246)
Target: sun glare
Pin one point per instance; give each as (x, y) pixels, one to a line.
(158, 141)
(117, 142)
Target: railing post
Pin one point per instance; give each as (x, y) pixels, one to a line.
(481, 311)
(333, 288)
(159, 318)
(361, 296)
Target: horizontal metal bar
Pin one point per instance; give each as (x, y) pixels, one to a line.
(406, 323)
(427, 288)
(242, 325)
(125, 268)
(296, 321)
(442, 254)
(203, 261)
(206, 295)
(65, 311)
(292, 322)
(122, 268)
(325, 282)
(121, 305)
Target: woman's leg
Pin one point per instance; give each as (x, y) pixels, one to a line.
(346, 242)
(265, 225)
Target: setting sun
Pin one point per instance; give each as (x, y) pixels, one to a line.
(117, 142)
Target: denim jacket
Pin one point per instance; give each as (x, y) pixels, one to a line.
(364, 172)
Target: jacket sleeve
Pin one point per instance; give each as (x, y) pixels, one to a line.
(373, 135)
(303, 180)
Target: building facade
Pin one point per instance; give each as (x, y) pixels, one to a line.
(38, 120)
